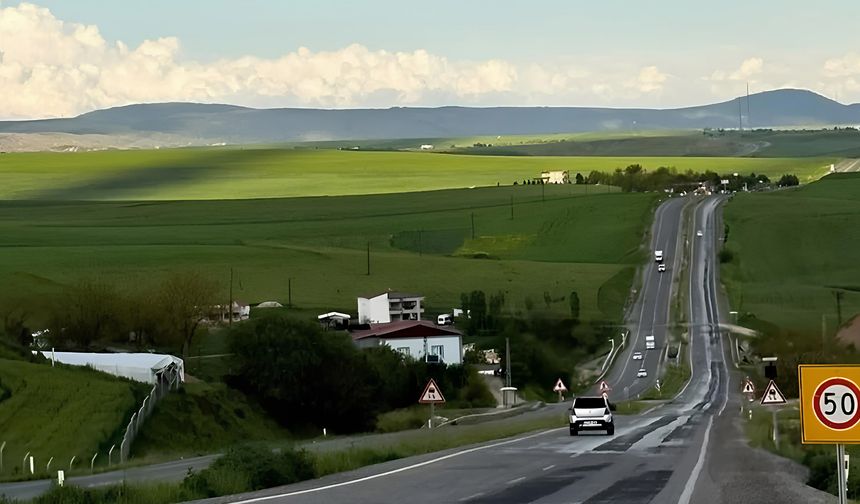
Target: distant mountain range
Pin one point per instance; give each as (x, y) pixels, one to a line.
(199, 123)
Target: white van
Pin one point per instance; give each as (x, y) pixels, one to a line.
(649, 342)
(444, 319)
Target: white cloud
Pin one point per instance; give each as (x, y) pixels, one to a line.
(748, 69)
(846, 66)
(51, 68)
(650, 79)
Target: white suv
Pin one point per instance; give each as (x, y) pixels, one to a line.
(591, 413)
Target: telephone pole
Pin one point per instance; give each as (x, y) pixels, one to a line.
(368, 258)
(507, 362)
(289, 292)
(473, 225)
(230, 306)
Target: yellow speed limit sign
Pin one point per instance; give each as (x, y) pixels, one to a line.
(829, 404)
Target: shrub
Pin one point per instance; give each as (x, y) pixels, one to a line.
(250, 468)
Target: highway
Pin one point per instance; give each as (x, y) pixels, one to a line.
(655, 457)
(649, 314)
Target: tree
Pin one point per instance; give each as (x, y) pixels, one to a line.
(789, 180)
(580, 179)
(574, 305)
(184, 299)
(140, 315)
(84, 313)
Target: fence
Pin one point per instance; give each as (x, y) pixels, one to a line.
(162, 386)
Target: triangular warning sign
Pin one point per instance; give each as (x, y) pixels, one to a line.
(604, 387)
(772, 395)
(749, 388)
(559, 386)
(431, 394)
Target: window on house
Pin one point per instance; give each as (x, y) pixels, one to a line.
(438, 350)
(404, 350)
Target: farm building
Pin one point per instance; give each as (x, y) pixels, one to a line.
(555, 177)
(142, 367)
(389, 306)
(420, 339)
(334, 320)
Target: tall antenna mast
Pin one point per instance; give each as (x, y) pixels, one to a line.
(749, 119)
(740, 120)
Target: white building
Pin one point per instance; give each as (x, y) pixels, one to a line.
(419, 339)
(426, 147)
(555, 177)
(388, 307)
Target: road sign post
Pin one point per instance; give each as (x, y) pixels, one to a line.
(560, 388)
(432, 396)
(830, 410)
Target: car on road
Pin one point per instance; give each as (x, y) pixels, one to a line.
(699, 233)
(661, 267)
(650, 344)
(591, 413)
(637, 355)
(642, 373)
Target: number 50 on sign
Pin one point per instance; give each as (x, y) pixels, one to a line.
(829, 404)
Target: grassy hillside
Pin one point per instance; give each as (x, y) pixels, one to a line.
(60, 412)
(182, 174)
(419, 241)
(202, 418)
(792, 249)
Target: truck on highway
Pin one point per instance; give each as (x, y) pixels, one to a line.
(658, 256)
(649, 342)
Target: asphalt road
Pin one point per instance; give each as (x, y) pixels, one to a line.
(655, 457)
(650, 312)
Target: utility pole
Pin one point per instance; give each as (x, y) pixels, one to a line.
(507, 362)
(838, 295)
(230, 306)
(368, 258)
(419, 243)
(473, 225)
(512, 207)
(289, 292)
(542, 191)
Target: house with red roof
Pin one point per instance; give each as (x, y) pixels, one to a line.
(419, 339)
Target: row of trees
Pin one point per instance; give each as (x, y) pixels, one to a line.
(167, 314)
(635, 178)
(309, 379)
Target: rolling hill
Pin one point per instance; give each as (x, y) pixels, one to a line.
(201, 123)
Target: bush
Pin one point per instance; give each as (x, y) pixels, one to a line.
(250, 468)
(726, 255)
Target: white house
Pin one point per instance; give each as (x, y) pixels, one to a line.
(389, 306)
(555, 177)
(419, 339)
(426, 147)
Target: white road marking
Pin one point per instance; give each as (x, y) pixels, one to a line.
(475, 496)
(395, 471)
(515, 480)
(694, 476)
(547, 468)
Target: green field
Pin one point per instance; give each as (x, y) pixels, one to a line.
(792, 249)
(234, 173)
(61, 412)
(418, 241)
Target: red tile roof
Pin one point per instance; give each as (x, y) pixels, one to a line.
(405, 329)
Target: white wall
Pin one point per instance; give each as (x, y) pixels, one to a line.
(374, 310)
(452, 347)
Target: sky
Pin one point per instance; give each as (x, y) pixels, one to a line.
(60, 58)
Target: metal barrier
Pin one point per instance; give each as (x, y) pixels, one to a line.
(159, 390)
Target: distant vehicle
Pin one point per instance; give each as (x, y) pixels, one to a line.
(649, 342)
(444, 319)
(661, 268)
(642, 373)
(637, 355)
(591, 413)
(699, 233)
(658, 256)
